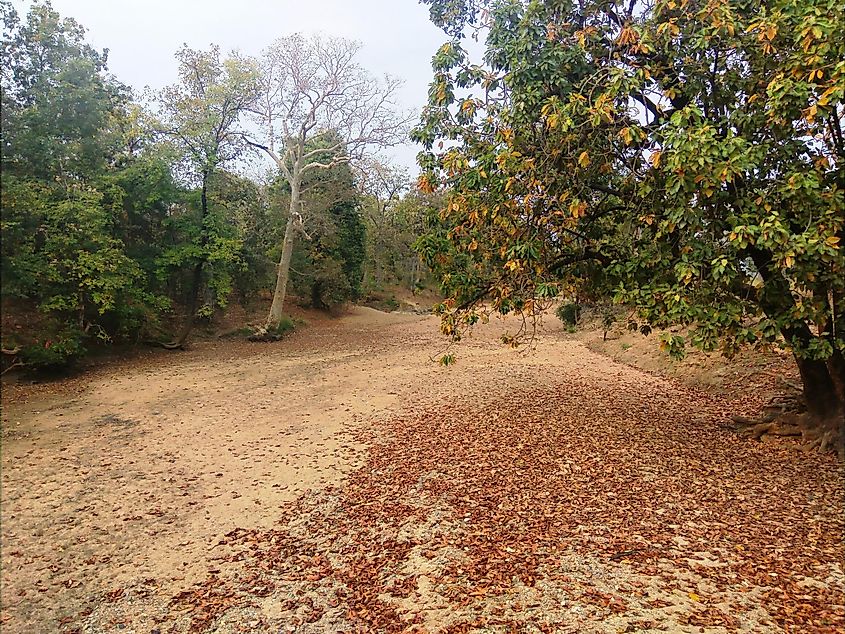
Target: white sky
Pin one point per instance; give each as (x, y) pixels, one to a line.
(143, 35)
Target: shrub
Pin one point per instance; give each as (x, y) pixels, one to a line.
(286, 324)
(56, 352)
(569, 313)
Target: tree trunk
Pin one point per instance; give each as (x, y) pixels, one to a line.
(196, 281)
(822, 381)
(283, 269)
(836, 367)
(415, 274)
(317, 296)
(824, 402)
(196, 278)
(379, 277)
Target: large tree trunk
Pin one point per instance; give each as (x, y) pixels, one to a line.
(824, 400)
(836, 366)
(822, 381)
(283, 269)
(193, 300)
(196, 278)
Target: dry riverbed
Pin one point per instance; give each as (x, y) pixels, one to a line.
(341, 481)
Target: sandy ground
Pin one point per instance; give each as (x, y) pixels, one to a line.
(139, 475)
(185, 491)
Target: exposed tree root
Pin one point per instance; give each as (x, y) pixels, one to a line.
(15, 361)
(15, 364)
(265, 336)
(772, 428)
(166, 345)
(787, 416)
(825, 438)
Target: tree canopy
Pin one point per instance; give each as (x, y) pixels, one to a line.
(684, 156)
(314, 90)
(64, 158)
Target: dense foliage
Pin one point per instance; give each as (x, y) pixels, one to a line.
(328, 265)
(68, 176)
(395, 215)
(124, 220)
(685, 156)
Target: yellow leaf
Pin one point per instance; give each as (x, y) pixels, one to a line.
(655, 158)
(577, 208)
(825, 96)
(584, 159)
(694, 597)
(810, 113)
(425, 185)
(832, 241)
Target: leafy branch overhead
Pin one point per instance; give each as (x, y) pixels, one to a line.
(685, 157)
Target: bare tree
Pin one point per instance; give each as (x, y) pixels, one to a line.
(312, 87)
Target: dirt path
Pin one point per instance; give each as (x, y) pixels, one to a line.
(341, 481)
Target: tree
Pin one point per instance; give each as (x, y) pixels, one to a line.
(313, 87)
(200, 115)
(417, 212)
(246, 206)
(57, 97)
(687, 156)
(382, 185)
(329, 264)
(61, 200)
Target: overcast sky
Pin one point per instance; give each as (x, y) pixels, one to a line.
(143, 35)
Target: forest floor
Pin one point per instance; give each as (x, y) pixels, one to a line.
(341, 481)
